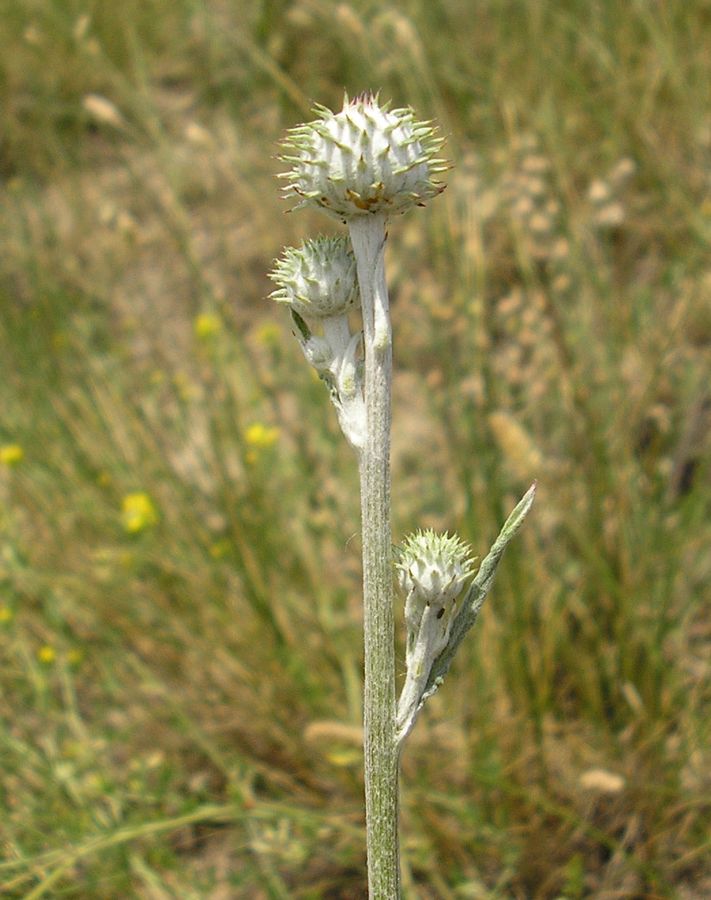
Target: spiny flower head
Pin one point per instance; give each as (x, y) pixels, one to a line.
(365, 159)
(318, 279)
(432, 568)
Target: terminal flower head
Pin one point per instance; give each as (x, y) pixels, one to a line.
(365, 159)
(317, 280)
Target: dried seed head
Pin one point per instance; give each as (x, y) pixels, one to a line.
(318, 279)
(365, 159)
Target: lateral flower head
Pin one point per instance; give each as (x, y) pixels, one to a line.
(432, 569)
(365, 159)
(318, 280)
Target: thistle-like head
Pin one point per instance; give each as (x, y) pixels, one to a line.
(317, 280)
(432, 569)
(365, 159)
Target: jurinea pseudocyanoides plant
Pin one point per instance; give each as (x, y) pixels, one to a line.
(361, 166)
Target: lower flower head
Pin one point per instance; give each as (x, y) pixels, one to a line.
(433, 568)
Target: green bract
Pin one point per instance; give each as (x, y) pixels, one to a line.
(365, 159)
(318, 279)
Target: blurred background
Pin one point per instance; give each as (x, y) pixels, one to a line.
(180, 619)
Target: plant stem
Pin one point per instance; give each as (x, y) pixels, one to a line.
(381, 751)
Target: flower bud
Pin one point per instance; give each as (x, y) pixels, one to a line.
(365, 159)
(318, 280)
(432, 570)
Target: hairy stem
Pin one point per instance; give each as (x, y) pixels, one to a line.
(381, 751)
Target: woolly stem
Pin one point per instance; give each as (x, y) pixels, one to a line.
(419, 664)
(336, 331)
(381, 752)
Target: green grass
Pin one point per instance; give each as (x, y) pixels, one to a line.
(180, 703)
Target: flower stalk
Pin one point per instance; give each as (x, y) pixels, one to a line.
(380, 747)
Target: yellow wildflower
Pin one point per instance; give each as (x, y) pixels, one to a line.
(206, 325)
(138, 512)
(5, 614)
(46, 654)
(220, 549)
(11, 454)
(261, 436)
